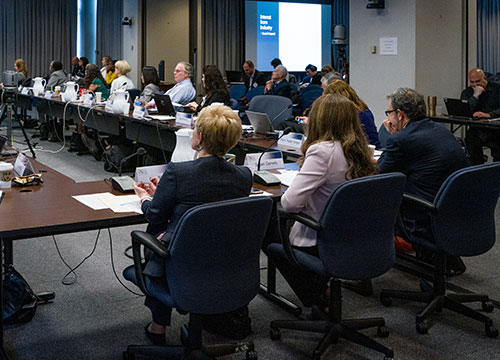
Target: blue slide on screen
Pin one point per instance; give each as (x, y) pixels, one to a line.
(297, 33)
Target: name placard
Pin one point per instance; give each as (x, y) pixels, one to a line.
(184, 119)
(22, 166)
(27, 91)
(139, 111)
(292, 141)
(270, 160)
(109, 106)
(48, 94)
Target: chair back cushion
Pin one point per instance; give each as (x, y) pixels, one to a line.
(214, 262)
(272, 105)
(464, 222)
(253, 92)
(237, 91)
(357, 237)
(309, 94)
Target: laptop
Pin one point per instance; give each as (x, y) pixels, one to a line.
(458, 108)
(260, 122)
(164, 105)
(233, 76)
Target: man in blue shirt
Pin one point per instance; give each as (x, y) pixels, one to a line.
(183, 92)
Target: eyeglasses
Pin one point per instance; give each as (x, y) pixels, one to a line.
(387, 112)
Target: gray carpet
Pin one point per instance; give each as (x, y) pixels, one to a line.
(96, 318)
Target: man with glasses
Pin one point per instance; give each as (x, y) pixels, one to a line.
(183, 92)
(427, 153)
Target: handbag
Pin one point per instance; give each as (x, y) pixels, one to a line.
(19, 300)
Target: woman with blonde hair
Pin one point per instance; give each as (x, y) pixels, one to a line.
(122, 82)
(365, 115)
(335, 151)
(183, 185)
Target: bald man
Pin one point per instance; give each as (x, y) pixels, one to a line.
(484, 101)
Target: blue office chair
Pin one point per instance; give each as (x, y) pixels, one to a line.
(212, 266)
(277, 108)
(234, 104)
(253, 92)
(462, 219)
(237, 91)
(133, 93)
(355, 242)
(309, 94)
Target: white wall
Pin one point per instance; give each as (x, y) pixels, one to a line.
(132, 39)
(373, 76)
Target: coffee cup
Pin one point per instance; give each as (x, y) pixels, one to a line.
(57, 90)
(372, 150)
(6, 174)
(98, 97)
(230, 158)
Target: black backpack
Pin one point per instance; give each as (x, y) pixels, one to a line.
(19, 300)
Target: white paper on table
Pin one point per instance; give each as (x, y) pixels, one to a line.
(263, 193)
(183, 150)
(162, 117)
(94, 201)
(376, 154)
(286, 176)
(124, 203)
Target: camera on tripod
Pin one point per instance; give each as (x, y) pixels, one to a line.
(10, 81)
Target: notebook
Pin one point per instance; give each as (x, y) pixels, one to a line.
(457, 108)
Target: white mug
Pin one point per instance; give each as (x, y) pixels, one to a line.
(98, 97)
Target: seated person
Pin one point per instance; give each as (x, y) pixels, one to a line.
(313, 76)
(365, 115)
(108, 70)
(329, 77)
(151, 82)
(326, 69)
(94, 81)
(253, 77)
(82, 66)
(57, 75)
(75, 63)
(278, 85)
(214, 89)
(336, 150)
(186, 184)
(484, 101)
(427, 153)
(122, 82)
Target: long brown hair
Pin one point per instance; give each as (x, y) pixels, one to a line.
(21, 67)
(334, 117)
(92, 72)
(342, 88)
(213, 81)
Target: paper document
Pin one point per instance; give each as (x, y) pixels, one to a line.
(286, 176)
(122, 204)
(162, 117)
(377, 153)
(93, 201)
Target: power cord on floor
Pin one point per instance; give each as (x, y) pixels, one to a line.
(113, 266)
(71, 271)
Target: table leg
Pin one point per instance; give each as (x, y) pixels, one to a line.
(2, 350)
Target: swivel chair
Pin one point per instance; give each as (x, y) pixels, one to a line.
(237, 91)
(309, 94)
(212, 266)
(462, 218)
(277, 108)
(356, 242)
(133, 93)
(253, 92)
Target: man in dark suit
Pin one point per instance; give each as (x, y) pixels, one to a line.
(278, 85)
(252, 77)
(427, 154)
(313, 76)
(484, 101)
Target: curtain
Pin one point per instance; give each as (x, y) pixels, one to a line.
(488, 35)
(223, 32)
(109, 29)
(340, 16)
(37, 31)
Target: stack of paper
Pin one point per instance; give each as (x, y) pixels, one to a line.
(119, 204)
(286, 176)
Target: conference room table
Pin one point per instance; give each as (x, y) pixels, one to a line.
(467, 122)
(50, 209)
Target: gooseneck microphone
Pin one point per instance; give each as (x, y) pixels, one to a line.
(286, 131)
(140, 151)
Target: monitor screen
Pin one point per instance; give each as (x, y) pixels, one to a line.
(297, 33)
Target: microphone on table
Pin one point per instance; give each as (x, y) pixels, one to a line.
(125, 183)
(265, 177)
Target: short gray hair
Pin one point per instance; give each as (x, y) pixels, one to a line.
(410, 102)
(329, 77)
(188, 68)
(282, 70)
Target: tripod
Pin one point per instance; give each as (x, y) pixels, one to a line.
(7, 112)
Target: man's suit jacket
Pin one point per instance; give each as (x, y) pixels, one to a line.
(427, 153)
(259, 79)
(187, 184)
(281, 89)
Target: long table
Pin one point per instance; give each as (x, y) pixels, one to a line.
(467, 122)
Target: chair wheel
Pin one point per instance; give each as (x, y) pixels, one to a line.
(275, 334)
(386, 301)
(487, 306)
(422, 327)
(491, 331)
(251, 355)
(382, 331)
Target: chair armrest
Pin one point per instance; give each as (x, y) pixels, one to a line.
(300, 217)
(147, 240)
(283, 215)
(419, 201)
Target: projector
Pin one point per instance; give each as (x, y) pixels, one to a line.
(376, 4)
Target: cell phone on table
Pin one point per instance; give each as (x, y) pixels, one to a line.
(256, 191)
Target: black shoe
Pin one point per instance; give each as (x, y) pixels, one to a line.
(454, 266)
(73, 143)
(156, 339)
(362, 287)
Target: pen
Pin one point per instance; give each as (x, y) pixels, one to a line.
(1, 197)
